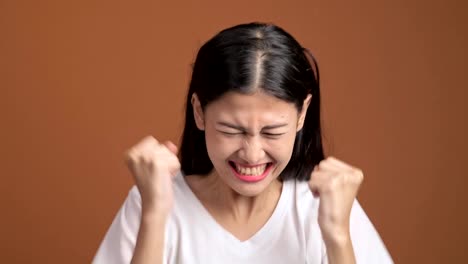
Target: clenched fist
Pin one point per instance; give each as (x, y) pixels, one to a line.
(337, 184)
(153, 165)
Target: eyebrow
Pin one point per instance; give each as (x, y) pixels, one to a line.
(244, 129)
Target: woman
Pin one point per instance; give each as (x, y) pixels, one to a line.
(251, 183)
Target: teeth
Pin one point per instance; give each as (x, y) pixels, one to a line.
(254, 171)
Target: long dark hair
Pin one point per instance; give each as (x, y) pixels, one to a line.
(248, 57)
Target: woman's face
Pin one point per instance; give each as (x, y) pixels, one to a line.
(249, 138)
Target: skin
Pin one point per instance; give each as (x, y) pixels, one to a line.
(248, 130)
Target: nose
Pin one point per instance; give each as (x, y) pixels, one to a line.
(252, 150)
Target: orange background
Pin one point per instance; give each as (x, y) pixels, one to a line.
(81, 81)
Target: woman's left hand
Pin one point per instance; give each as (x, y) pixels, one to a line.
(337, 184)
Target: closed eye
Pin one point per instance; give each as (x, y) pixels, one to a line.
(273, 135)
(231, 133)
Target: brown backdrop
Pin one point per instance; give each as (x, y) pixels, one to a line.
(83, 80)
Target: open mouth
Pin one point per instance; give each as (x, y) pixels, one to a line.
(251, 173)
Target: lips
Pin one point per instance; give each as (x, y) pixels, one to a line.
(251, 173)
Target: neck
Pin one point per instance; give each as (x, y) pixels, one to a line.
(241, 208)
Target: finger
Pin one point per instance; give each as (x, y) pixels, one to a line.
(358, 176)
(315, 193)
(173, 164)
(171, 146)
(327, 165)
(314, 187)
(148, 140)
(131, 167)
(317, 180)
(147, 145)
(165, 158)
(129, 155)
(339, 163)
(147, 163)
(319, 176)
(130, 158)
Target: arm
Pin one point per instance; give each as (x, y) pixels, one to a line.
(135, 236)
(347, 232)
(337, 184)
(149, 247)
(340, 249)
(153, 165)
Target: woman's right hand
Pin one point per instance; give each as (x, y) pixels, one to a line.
(153, 165)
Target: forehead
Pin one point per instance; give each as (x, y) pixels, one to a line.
(244, 107)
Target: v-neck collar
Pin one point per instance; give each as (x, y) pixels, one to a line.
(260, 238)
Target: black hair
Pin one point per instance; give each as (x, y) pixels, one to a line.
(245, 58)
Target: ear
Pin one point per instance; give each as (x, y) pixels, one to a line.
(302, 115)
(198, 112)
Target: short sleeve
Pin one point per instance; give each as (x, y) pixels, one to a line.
(119, 241)
(367, 244)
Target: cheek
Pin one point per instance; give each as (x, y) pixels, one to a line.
(218, 146)
(282, 149)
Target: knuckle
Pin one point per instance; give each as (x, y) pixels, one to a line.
(148, 142)
(144, 158)
(359, 174)
(129, 154)
(149, 138)
(322, 164)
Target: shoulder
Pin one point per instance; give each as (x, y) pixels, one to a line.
(367, 243)
(305, 201)
(119, 241)
(194, 182)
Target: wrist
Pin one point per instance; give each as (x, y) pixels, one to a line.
(336, 237)
(339, 249)
(337, 240)
(154, 212)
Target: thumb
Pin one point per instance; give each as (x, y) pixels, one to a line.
(314, 183)
(171, 146)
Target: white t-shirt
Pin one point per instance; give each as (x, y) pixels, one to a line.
(291, 235)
